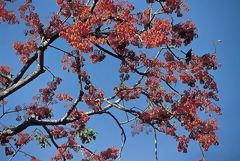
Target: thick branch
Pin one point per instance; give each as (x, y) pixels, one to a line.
(33, 75)
(24, 69)
(94, 5)
(33, 122)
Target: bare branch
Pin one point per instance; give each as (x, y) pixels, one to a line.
(24, 68)
(50, 135)
(156, 144)
(124, 138)
(173, 53)
(203, 155)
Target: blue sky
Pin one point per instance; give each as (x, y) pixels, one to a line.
(215, 20)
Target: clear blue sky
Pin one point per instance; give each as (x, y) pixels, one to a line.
(215, 20)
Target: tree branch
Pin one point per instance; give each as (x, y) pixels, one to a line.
(40, 69)
(94, 5)
(156, 144)
(24, 69)
(33, 122)
(124, 138)
(50, 136)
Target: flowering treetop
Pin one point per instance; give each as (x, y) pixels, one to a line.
(109, 28)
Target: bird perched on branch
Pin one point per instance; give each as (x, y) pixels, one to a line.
(188, 56)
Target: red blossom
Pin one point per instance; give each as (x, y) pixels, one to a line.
(186, 31)
(158, 34)
(80, 120)
(64, 97)
(31, 18)
(63, 153)
(183, 143)
(110, 153)
(23, 138)
(24, 50)
(5, 69)
(127, 93)
(7, 16)
(113, 28)
(94, 98)
(156, 114)
(58, 132)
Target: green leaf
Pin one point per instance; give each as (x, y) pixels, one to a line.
(86, 135)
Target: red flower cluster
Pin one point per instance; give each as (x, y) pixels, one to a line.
(5, 69)
(168, 56)
(155, 115)
(59, 132)
(63, 153)
(73, 8)
(55, 24)
(39, 112)
(34, 159)
(158, 34)
(24, 50)
(32, 19)
(186, 112)
(64, 97)
(187, 79)
(209, 61)
(200, 66)
(7, 16)
(94, 98)
(23, 138)
(80, 120)
(183, 143)
(107, 155)
(127, 93)
(185, 31)
(76, 35)
(110, 153)
(122, 34)
(72, 143)
(46, 94)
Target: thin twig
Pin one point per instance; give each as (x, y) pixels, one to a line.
(156, 57)
(203, 155)
(21, 146)
(122, 133)
(156, 144)
(173, 53)
(50, 136)
(68, 53)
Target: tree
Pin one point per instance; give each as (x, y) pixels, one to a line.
(160, 85)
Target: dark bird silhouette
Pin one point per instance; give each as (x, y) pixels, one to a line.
(188, 56)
